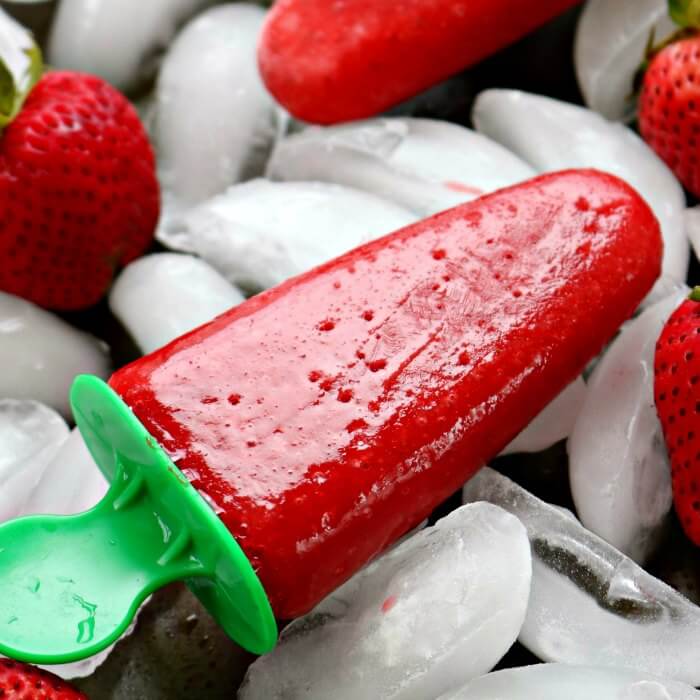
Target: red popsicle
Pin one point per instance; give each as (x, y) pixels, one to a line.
(330, 61)
(326, 417)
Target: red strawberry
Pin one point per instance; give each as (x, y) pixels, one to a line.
(78, 192)
(669, 109)
(22, 682)
(677, 397)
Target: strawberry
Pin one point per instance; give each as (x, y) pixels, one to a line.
(677, 398)
(78, 192)
(669, 109)
(22, 682)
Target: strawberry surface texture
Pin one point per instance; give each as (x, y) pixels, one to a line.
(669, 109)
(78, 192)
(677, 397)
(23, 682)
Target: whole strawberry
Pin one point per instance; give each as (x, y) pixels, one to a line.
(78, 192)
(669, 109)
(22, 682)
(677, 398)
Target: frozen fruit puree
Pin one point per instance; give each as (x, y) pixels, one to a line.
(327, 416)
(333, 61)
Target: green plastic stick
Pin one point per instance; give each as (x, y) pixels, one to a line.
(70, 585)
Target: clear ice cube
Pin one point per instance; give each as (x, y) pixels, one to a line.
(40, 354)
(611, 39)
(554, 423)
(259, 233)
(422, 164)
(30, 435)
(437, 610)
(162, 296)
(214, 121)
(618, 465)
(589, 603)
(564, 682)
(119, 41)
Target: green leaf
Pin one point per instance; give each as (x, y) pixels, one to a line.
(685, 13)
(21, 67)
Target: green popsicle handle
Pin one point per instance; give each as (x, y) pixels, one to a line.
(70, 585)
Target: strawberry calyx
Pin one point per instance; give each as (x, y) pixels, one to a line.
(685, 13)
(21, 67)
(694, 294)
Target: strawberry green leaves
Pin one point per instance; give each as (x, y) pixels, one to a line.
(685, 13)
(20, 67)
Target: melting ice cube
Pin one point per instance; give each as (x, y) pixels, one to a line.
(590, 604)
(555, 422)
(611, 39)
(116, 40)
(214, 122)
(71, 482)
(563, 682)
(40, 354)
(618, 466)
(159, 297)
(30, 435)
(259, 233)
(439, 609)
(422, 164)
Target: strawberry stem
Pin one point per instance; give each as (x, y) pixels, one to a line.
(695, 294)
(685, 13)
(21, 67)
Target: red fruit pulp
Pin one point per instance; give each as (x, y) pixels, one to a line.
(326, 417)
(329, 61)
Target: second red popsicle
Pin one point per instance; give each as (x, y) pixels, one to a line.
(330, 61)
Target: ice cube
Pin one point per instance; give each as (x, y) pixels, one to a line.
(439, 609)
(40, 354)
(561, 681)
(71, 482)
(214, 121)
(618, 466)
(119, 41)
(259, 233)
(553, 135)
(611, 39)
(691, 221)
(589, 603)
(422, 164)
(30, 435)
(555, 422)
(162, 296)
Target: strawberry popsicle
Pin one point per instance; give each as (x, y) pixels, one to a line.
(330, 62)
(326, 417)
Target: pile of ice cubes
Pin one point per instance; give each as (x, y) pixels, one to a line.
(251, 198)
